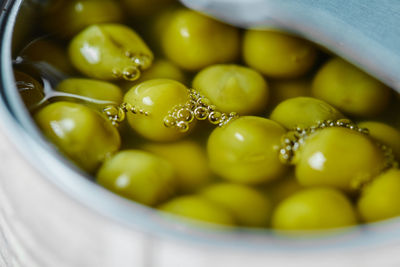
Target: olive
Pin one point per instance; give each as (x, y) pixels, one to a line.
(380, 199)
(29, 89)
(278, 55)
(156, 97)
(233, 88)
(349, 89)
(194, 41)
(246, 150)
(110, 52)
(91, 90)
(82, 134)
(73, 16)
(247, 206)
(304, 112)
(138, 175)
(189, 160)
(384, 134)
(340, 158)
(198, 208)
(314, 208)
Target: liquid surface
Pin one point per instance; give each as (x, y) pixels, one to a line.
(183, 113)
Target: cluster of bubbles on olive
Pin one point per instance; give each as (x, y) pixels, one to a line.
(295, 138)
(180, 116)
(133, 72)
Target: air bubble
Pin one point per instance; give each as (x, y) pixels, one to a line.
(215, 117)
(169, 121)
(201, 113)
(111, 111)
(183, 126)
(117, 73)
(131, 74)
(185, 115)
(143, 61)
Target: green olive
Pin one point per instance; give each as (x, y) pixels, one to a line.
(29, 89)
(384, 134)
(138, 175)
(248, 206)
(198, 208)
(49, 52)
(245, 150)
(83, 134)
(189, 160)
(75, 15)
(314, 208)
(157, 97)
(194, 41)
(304, 112)
(160, 69)
(91, 90)
(282, 90)
(109, 52)
(380, 199)
(340, 158)
(350, 89)
(233, 88)
(278, 55)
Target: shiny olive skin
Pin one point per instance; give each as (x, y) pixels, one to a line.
(248, 206)
(139, 176)
(194, 41)
(304, 112)
(233, 88)
(156, 97)
(49, 52)
(92, 90)
(349, 89)
(314, 208)
(198, 208)
(246, 150)
(384, 134)
(73, 16)
(278, 55)
(82, 134)
(340, 158)
(189, 160)
(281, 90)
(29, 88)
(380, 199)
(103, 51)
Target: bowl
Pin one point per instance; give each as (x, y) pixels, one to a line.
(52, 214)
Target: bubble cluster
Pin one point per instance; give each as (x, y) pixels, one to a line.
(197, 107)
(294, 139)
(132, 73)
(117, 114)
